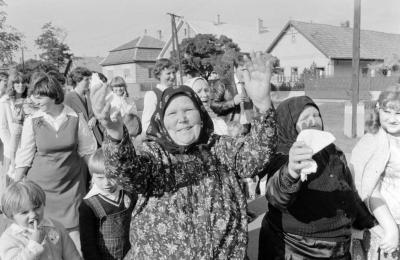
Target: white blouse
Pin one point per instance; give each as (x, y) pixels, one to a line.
(86, 141)
(150, 104)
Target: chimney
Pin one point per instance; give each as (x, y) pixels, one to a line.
(218, 19)
(160, 35)
(260, 26)
(145, 31)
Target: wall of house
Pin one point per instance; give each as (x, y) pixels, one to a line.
(343, 68)
(294, 50)
(127, 71)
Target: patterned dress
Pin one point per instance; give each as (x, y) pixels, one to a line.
(191, 205)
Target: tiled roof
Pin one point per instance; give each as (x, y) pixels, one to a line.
(336, 42)
(145, 48)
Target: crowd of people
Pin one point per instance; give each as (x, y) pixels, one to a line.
(84, 176)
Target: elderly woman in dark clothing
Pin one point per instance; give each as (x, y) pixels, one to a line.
(190, 201)
(310, 219)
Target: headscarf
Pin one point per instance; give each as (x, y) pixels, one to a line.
(287, 114)
(157, 131)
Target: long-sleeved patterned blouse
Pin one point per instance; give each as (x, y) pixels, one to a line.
(191, 205)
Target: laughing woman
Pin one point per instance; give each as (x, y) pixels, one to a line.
(191, 204)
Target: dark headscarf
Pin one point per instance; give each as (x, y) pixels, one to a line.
(287, 114)
(157, 131)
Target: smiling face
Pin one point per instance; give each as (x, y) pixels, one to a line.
(182, 120)
(27, 216)
(167, 77)
(390, 120)
(309, 119)
(84, 84)
(119, 90)
(107, 185)
(202, 90)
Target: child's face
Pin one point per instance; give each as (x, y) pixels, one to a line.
(27, 217)
(119, 90)
(107, 185)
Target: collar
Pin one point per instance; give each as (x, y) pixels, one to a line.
(161, 87)
(17, 229)
(67, 111)
(95, 190)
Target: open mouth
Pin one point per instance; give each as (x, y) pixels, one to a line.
(185, 128)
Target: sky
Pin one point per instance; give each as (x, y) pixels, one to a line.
(96, 26)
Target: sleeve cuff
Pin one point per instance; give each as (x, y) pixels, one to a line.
(287, 182)
(34, 247)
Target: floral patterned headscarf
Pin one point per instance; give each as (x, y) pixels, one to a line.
(157, 131)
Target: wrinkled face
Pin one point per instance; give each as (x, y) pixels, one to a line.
(84, 84)
(309, 119)
(43, 103)
(167, 77)
(390, 120)
(182, 120)
(107, 185)
(19, 87)
(202, 89)
(26, 217)
(119, 90)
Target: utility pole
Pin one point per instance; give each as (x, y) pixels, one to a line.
(22, 59)
(175, 42)
(355, 83)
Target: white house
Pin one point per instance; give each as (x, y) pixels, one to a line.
(329, 47)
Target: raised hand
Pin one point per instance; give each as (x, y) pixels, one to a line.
(257, 77)
(108, 116)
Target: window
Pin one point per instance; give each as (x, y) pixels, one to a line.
(127, 73)
(294, 75)
(150, 71)
(320, 72)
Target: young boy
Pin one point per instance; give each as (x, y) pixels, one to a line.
(31, 235)
(104, 215)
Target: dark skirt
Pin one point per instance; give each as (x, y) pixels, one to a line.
(277, 245)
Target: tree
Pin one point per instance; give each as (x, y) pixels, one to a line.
(10, 40)
(206, 53)
(51, 41)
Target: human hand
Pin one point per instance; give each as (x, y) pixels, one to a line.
(38, 234)
(390, 241)
(240, 98)
(299, 156)
(257, 79)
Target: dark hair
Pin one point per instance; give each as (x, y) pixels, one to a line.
(102, 77)
(389, 98)
(20, 195)
(47, 85)
(118, 81)
(16, 77)
(162, 64)
(96, 162)
(78, 74)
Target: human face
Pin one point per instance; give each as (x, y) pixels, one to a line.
(202, 90)
(309, 119)
(167, 77)
(26, 217)
(43, 103)
(3, 84)
(84, 84)
(105, 184)
(390, 120)
(19, 87)
(182, 120)
(119, 90)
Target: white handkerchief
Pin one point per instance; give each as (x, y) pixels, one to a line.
(316, 140)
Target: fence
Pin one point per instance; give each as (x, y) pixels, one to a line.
(340, 87)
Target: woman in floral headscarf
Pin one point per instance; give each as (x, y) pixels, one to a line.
(191, 204)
